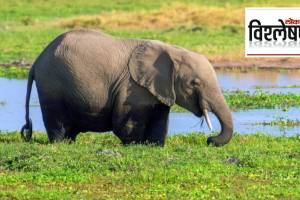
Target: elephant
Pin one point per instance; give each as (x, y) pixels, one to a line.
(88, 80)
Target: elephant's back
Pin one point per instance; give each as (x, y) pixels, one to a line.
(80, 66)
(91, 53)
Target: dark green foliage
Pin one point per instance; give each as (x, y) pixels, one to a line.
(98, 166)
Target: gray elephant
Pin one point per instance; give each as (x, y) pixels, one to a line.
(89, 81)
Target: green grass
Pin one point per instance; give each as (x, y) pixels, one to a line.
(99, 167)
(27, 43)
(27, 26)
(18, 10)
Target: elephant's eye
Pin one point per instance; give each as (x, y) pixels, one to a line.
(195, 82)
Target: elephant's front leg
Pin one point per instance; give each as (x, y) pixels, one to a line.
(157, 127)
(131, 127)
(132, 132)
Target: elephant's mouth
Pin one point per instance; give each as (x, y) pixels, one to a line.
(199, 113)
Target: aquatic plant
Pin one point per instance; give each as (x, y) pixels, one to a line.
(2, 103)
(14, 72)
(243, 100)
(280, 121)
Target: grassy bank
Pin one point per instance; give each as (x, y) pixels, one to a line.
(214, 28)
(98, 166)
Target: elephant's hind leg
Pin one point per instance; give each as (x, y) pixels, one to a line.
(56, 122)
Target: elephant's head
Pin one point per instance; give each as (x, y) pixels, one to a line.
(175, 75)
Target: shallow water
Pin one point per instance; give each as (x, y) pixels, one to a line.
(244, 122)
(270, 81)
(12, 93)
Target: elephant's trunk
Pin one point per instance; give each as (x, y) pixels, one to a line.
(220, 108)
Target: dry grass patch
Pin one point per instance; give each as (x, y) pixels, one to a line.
(166, 17)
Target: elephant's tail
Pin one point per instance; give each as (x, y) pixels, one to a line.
(26, 131)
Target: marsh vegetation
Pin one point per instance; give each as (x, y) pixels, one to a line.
(98, 166)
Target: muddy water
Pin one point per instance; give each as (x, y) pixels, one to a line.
(12, 93)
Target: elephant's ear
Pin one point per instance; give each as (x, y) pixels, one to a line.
(152, 67)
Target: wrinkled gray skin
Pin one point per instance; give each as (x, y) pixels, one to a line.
(90, 81)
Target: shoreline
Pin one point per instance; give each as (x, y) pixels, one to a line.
(257, 64)
(272, 64)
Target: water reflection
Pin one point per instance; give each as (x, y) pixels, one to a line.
(231, 80)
